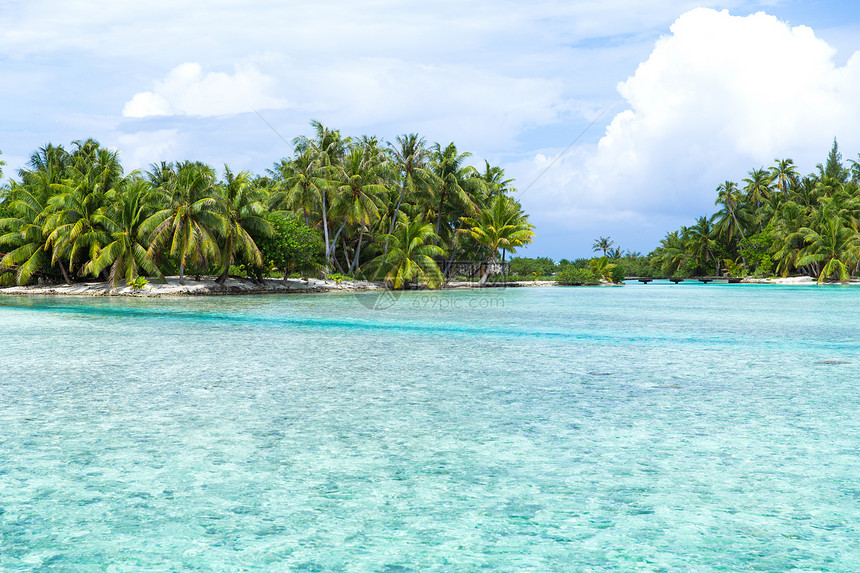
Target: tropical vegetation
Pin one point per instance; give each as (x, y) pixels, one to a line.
(402, 212)
(776, 221)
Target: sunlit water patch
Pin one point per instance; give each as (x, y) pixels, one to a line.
(643, 428)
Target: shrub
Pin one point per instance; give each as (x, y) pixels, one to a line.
(293, 247)
(337, 277)
(137, 283)
(524, 266)
(571, 275)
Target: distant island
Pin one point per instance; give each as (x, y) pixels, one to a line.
(775, 224)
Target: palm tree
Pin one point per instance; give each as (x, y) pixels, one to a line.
(126, 254)
(356, 200)
(94, 174)
(788, 240)
(243, 213)
(410, 257)
(671, 254)
(833, 244)
(494, 180)
(854, 171)
(24, 233)
(757, 187)
(52, 160)
(701, 244)
(784, 174)
(299, 187)
(186, 226)
(602, 268)
(27, 203)
(326, 151)
(602, 244)
(502, 225)
(731, 219)
(410, 161)
(455, 183)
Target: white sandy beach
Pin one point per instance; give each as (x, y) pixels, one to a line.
(791, 281)
(236, 286)
(204, 287)
(232, 286)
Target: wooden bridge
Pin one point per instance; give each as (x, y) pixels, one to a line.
(676, 280)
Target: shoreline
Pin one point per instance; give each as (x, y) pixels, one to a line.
(231, 287)
(206, 286)
(238, 286)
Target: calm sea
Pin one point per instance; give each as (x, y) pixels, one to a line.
(641, 428)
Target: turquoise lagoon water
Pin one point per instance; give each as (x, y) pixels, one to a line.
(643, 428)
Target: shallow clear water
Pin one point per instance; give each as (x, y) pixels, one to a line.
(644, 428)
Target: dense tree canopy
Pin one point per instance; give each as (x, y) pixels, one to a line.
(335, 205)
(776, 222)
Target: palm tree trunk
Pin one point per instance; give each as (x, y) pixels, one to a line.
(325, 226)
(396, 211)
(394, 218)
(354, 265)
(450, 261)
(487, 271)
(182, 270)
(439, 216)
(330, 255)
(65, 274)
(337, 262)
(228, 259)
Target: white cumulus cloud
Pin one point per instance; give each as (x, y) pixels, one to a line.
(186, 90)
(144, 148)
(717, 97)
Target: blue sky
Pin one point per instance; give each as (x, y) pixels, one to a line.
(685, 94)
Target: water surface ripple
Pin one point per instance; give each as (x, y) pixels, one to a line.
(644, 428)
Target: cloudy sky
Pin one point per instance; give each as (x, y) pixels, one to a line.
(615, 117)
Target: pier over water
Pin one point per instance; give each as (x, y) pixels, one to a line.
(677, 280)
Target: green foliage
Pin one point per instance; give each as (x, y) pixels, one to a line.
(5, 203)
(834, 168)
(74, 213)
(603, 244)
(735, 268)
(337, 277)
(409, 256)
(635, 265)
(292, 247)
(617, 275)
(779, 222)
(501, 225)
(755, 250)
(137, 283)
(524, 266)
(571, 275)
(602, 268)
(5, 209)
